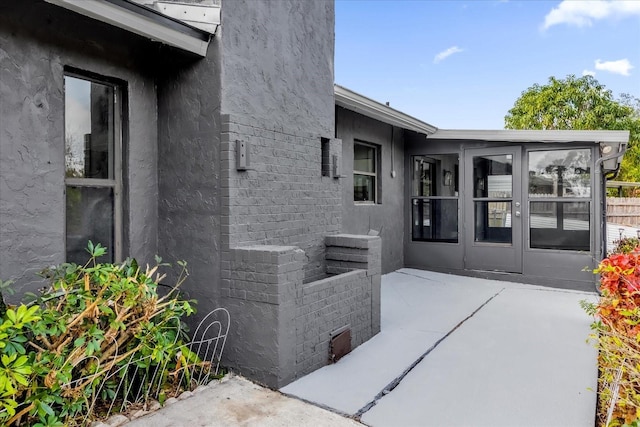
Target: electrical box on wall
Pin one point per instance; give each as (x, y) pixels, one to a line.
(242, 155)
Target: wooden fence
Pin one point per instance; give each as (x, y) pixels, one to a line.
(624, 211)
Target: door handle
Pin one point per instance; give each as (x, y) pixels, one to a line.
(517, 214)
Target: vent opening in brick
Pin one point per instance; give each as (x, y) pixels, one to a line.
(340, 345)
(324, 148)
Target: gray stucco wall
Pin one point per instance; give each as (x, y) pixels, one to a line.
(37, 40)
(386, 216)
(277, 62)
(189, 174)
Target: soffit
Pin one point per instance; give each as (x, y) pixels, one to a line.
(145, 21)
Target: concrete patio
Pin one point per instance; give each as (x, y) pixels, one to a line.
(453, 351)
(459, 351)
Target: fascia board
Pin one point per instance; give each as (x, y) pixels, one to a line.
(135, 23)
(204, 17)
(368, 107)
(550, 136)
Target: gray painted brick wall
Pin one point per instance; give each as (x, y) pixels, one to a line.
(259, 285)
(282, 198)
(326, 306)
(342, 249)
(281, 326)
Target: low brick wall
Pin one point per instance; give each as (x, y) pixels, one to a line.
(281, 327)
(328, 305)
(348, 252)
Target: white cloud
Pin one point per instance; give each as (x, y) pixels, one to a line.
(582, 13)
(621, 66)
(446, 53)
(589, 73)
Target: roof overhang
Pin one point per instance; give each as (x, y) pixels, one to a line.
(613, 143)
(143, 21)
(550, 136)
(353, 101)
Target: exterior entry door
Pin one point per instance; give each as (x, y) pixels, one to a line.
(493, 209)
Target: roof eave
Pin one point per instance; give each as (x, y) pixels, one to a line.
(353, 101)
(143, 21)
(509, 135)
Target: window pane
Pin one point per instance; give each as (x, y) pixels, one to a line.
(364, 158)
(435, 220)
(560, 225)
(364, 188)
(435, 175)
(560, 173)
(492, 176)
(493, 222)
(89, 217)
(423, 177)
(89, 129)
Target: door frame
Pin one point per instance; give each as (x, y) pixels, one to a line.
(491, 256)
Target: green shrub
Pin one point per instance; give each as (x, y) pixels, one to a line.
(70, 343)
(626, 245)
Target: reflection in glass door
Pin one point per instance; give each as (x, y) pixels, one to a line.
(492, 198)
(434, 198)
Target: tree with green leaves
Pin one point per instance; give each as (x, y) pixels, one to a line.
(580, 104)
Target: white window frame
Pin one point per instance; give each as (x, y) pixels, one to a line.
(116, 182)
(374, 174)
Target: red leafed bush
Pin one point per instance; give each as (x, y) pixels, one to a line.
(617, 334)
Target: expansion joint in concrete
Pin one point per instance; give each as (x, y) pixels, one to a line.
(396, 381)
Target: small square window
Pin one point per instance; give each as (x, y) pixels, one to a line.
(365, 173)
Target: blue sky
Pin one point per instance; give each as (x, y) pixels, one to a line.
(462, 64)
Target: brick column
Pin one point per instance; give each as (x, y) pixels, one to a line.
(259, 288)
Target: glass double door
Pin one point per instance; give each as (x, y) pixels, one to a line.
(493, 209)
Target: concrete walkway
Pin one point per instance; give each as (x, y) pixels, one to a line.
(235, 401)
(458, 351)
(453, 351)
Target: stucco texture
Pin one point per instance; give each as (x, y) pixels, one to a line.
(277, 62)
(37, 42)
(385, 216)
(189, 173)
